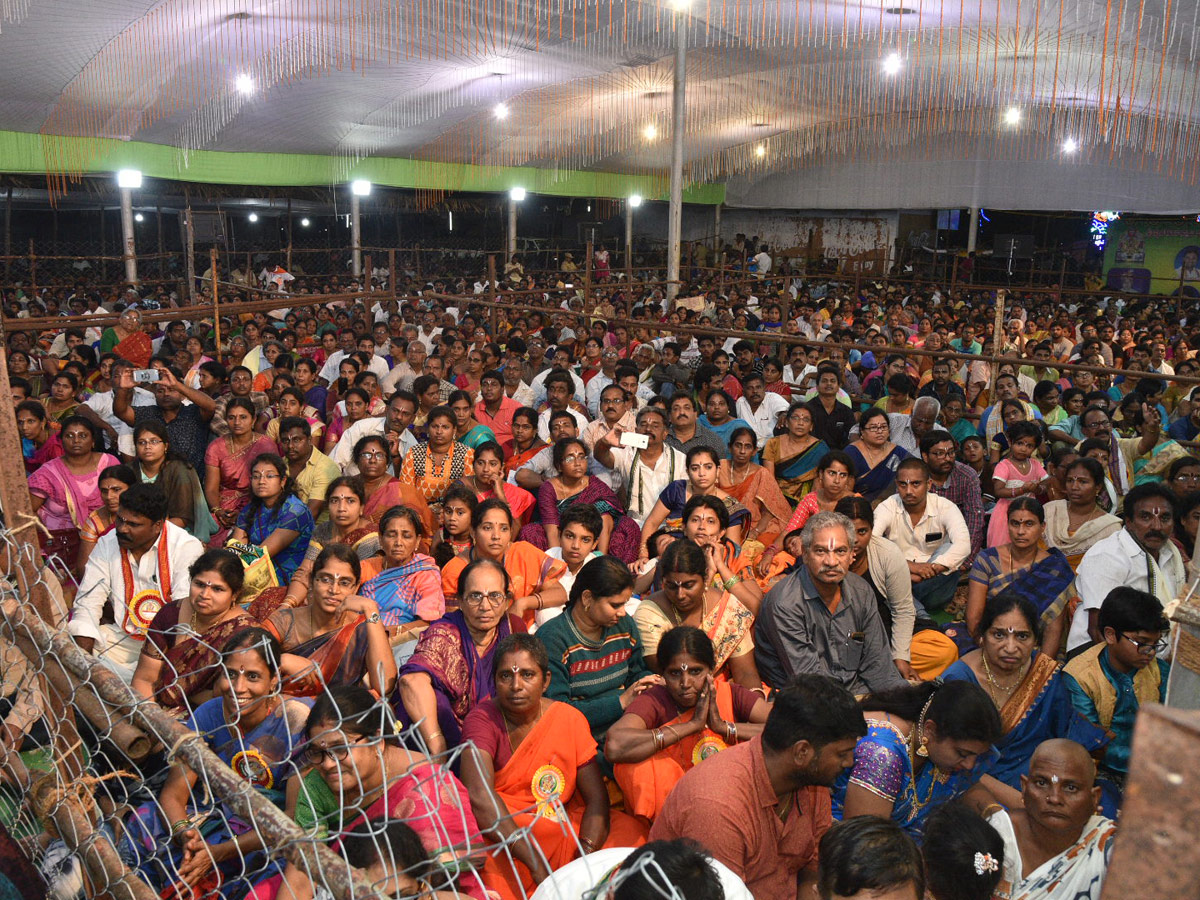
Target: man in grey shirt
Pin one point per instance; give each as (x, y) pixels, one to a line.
(823, 619)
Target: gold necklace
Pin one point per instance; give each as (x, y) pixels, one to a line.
(993, 684)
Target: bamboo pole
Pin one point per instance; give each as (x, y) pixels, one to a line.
(216, 303)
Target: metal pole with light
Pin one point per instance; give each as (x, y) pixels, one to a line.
(675, 213)
(515, 196)
(634, 201)
(358, 189)
(127, 181)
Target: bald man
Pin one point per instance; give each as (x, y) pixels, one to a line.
(1057, 846)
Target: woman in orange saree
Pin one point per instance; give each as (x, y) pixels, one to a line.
(752, 486)
(670, 728)
(533, 762)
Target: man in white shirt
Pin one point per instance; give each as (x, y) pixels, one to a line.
(428, 333)
(561, 363)
(643, 473)
(761, 409)
(135, 569)
(762, 262)
(329, 371)
(558, 397)
(406, 370)
(102, 405)
(1141, 555)
(393, 424)
(602, 379)
(929, 530)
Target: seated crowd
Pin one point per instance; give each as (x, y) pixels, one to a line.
(776, 615)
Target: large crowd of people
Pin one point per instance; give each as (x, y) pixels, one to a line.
(775, 614)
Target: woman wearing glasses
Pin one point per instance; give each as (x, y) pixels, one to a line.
(357, 775)
(339, 633)
(527, 755)
(254, 729)
(875, 456)
(275, 519)
(158, 464)
(1027, 688)
(450, 672)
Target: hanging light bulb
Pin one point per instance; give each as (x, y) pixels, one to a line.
(1012, 116)
(500, 111)
(650, 132)
(893, 64)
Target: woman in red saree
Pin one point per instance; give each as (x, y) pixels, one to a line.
(372, 454)
(531, 753)
(227, 464)
(487, 481)
(180, 659)
(670, 728)
(338, 634)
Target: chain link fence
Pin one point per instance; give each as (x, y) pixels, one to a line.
(250, 794)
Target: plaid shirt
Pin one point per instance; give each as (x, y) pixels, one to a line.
(962, 489)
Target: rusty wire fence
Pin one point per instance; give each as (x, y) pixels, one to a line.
(248, 794)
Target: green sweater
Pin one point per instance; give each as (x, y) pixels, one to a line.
(591, 675)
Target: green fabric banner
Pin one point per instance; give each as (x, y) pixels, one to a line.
(24, 153)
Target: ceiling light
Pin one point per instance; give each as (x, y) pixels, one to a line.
(253, 217)
(1070, 145)
(893, 64)
(1012, 115)
(138, 217)
(760, 151)
(680, 5)
(500, 111)
(650, 132)
(129, 178)
(305, 223)
(635, 200)
(360, 187)
(244, 84)
(517, 194)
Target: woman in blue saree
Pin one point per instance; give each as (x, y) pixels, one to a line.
(703, 473)
(718, 416)
(875, 457)
(1026, 568)
(450, 672)
(1027, 688)
(925, 744)
(254, 730)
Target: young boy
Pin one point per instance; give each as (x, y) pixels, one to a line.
(579, 531)
(1109, 682)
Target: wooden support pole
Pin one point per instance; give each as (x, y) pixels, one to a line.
(216, 303)
(587, 273)
(495, 311)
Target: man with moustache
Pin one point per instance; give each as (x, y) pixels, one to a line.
(761, 806)
(1141, 555)
(824, 619)
(136, 568)
(1056, 845)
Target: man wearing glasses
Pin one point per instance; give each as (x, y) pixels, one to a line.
(956, 482)
(1110, 681)
(1141, 555)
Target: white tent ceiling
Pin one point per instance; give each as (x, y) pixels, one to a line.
(779, 91)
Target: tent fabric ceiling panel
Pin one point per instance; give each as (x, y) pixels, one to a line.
(774, 86)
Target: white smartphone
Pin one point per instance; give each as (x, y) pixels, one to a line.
(145, 376)
(633, 439)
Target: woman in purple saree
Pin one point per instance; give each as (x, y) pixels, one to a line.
(450, 672)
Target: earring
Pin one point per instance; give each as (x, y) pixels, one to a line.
(922, 750)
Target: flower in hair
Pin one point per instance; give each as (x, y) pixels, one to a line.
(985, 862)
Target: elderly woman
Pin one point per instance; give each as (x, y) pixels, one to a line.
(373, 455)
(178, 667)
(534, 575)
(533, 762)
(66, 490)
(253, 729)
(431, 467)
(791, 458)
(450, 672)
(405, 583)
(359, 776)
(674, 726)
(574, 485)
(595, 648)
(338, 633)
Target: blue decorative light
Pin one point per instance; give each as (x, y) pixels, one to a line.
(1101, 219)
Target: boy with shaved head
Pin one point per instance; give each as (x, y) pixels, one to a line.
(1057, 846)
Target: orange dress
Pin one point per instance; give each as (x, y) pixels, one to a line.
(431, 479)
(537, 785)
(528, 568)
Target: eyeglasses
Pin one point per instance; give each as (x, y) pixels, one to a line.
(373, 454)
(330, 580)
(154, 442)
(941, 454)
(477, 598)
(879, 427)
(314, 754)
(1146, 648)
(264, 476)
(574, 458)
